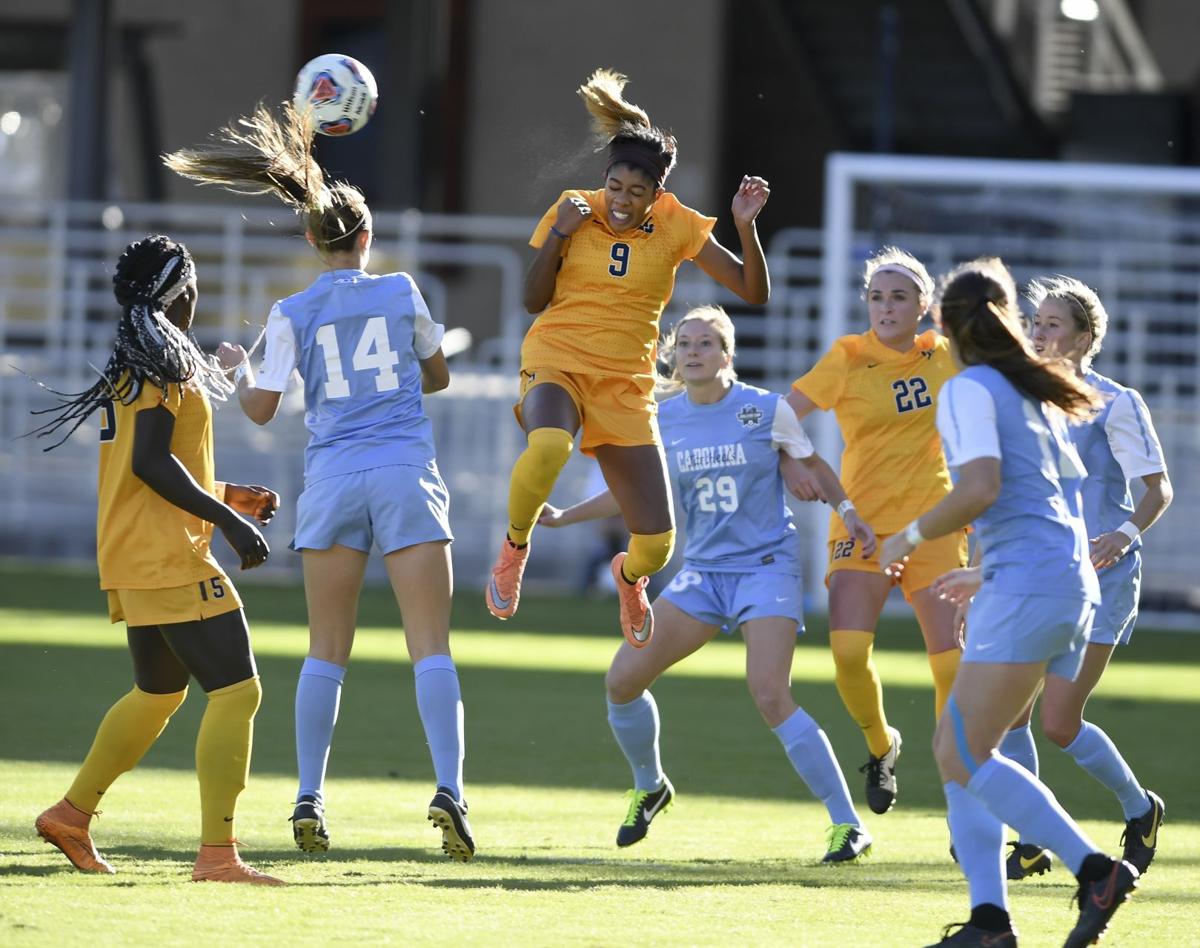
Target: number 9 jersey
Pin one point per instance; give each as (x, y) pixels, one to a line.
(356, 340)
(893, 467)
(724, 464)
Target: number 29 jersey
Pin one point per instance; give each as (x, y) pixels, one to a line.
(611, 289)
(356, 340)
(724, 463)
(893, 467)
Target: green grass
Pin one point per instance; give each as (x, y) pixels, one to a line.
(735, 862)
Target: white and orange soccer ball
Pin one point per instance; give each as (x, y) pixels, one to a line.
(338, 91)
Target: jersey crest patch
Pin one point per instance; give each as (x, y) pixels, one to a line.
(648, 227)
(750, 416)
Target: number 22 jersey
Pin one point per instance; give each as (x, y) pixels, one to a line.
(356, 339)
(893, 467)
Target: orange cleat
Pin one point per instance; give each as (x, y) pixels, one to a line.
(223, 864)
(504, 588)
(66, 826)
(637, 618)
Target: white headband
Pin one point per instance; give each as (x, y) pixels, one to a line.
(185, 276)
(921, 283)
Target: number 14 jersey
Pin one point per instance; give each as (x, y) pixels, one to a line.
(893, 467)
(356, 340)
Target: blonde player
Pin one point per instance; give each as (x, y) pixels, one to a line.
(882, 385)
(158, 506)
(604, 271)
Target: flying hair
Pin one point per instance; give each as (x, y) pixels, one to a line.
(894, 260)
(624, 128)
(269, 153)
(1083, 302)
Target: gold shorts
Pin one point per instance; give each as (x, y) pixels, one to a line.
(191, 603)
(926, 563)
(613, 409)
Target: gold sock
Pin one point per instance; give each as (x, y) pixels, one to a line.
(648, 553)
(533, 478)
(944, 666)
(223, 757)
(128, 730)
(858, 684)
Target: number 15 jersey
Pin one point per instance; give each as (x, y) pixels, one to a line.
(356, 340)
(893, 467)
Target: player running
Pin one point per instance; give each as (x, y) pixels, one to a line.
(367, 349)
(158, 505)
(1117, 445)
(881, 386)
(1004, 423)
(725, 443)
(604, 271)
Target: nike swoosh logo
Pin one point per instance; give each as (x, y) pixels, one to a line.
(676, 441)
(871, 365)
(642, 633)
(229, 819)
(497, 600)
(1029, 863)
(781, 598)
(1149, 841)
(1103, 900)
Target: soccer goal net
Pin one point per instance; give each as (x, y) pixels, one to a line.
(1132, 232)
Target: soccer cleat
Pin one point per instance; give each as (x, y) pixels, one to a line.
(1140, 838)
(637, 618)
(846, 842)
(644, 806)
(504, 588)
(881, 776)
(1026, 860)
(450, 816)
(972, 935)
(223, 864)
(1098, 901)
(66, 826)
(308, 826)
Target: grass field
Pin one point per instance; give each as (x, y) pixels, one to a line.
(735, 862)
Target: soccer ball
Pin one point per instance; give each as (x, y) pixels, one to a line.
(339, 92)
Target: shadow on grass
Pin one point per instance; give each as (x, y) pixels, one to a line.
(528, 727)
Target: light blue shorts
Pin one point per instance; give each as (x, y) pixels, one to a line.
(1013, 628)
(727, 600)
(395, 507)
(1120, 585)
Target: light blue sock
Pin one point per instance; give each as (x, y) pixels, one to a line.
(1094, 751)
(439, 701)
(635, 726)
(1016, 797)
(809, 750)
(318, 694)
(979, 845)
(1018, 746)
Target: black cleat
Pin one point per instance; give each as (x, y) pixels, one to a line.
(308, 826)
(972, 935)
(450, 816)
(644, 806)
(1098, 901)
(1140, 838)
(1026, 860)
(881, 776)
(846, 842)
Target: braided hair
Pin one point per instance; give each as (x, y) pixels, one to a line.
(150, 275)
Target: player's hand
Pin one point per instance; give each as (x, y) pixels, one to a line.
(550, 516)
(959, 585)
(894, 554)
(862, 532)
(800, 482)
(252, 500)
(230, 355)
(750, 198)
(1108, 548)
(572, 212)
(960, 624)
(250, 545)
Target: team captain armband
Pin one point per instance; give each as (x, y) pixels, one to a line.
(786, 433)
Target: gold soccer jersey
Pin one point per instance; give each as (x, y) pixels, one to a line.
(142, 540)
(893, 467)
(611, 289)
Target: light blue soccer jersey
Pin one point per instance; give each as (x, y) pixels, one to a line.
(1033, 536)
(725, 467)
(356, 340)
(1117, 445)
